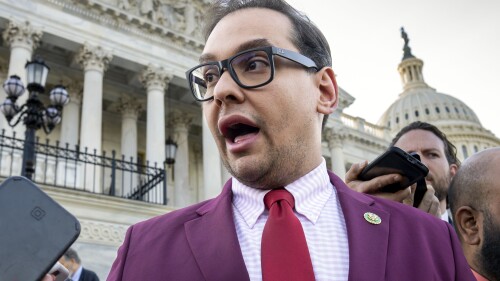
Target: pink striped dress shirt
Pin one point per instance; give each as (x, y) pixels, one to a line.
(318, 209)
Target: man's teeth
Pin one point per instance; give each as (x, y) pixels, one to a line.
(239, 139)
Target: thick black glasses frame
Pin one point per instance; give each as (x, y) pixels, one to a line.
(226, 64)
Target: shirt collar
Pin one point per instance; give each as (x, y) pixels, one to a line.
(444, 216)
(311, 192)
(76, 275)
(478, 276)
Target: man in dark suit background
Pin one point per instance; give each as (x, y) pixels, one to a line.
(266, 84)
(72, 262)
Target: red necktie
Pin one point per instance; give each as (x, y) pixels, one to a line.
(284, 252)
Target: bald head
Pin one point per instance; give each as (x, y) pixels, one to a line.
(474, 195)
(475, 180)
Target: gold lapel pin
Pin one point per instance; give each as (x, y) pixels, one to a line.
(372, 218)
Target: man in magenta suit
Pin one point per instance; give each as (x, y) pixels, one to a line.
(266, 84)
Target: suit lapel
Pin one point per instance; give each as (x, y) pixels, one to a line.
(213, 240)
(368, 243)
(214, 243)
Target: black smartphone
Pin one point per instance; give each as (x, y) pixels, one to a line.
(35, 230)
(421, 188)
(395, 161)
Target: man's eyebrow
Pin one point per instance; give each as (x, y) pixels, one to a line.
(431, 149)
(208, 57)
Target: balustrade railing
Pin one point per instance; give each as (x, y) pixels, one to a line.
(81, 169)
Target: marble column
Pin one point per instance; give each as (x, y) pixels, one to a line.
(94, 60)
(130, 109)
(70, 130)
(184, 193)
(70, 124)
(156, 80)
(335, 137)
(5, 155)
(3, 95)
(213, 169)
(196, 176)
(22, 38)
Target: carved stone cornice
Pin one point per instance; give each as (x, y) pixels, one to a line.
(22, 34)
(93, 57)
(102, 232)
(155, 78)
(171, 21)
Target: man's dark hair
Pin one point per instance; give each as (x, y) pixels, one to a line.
(449, 149)
(305, 35)
(72, 254)
(308, 39)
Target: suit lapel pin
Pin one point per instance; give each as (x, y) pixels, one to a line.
(372, 218)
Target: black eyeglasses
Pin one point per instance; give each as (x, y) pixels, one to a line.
(249, 69)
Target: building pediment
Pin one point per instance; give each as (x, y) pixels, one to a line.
(176, 21)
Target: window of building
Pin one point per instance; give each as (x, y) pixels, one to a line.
(397, 120)
(464, 151)
(406, 116)
(427, 111)
(416, 113)
(456, 110)
(447, 109)
(475, 148)
(437, 109)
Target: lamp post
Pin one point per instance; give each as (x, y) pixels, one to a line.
(33, 113)
(170, 151)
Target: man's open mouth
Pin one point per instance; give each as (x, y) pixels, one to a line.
(238, 132)
(238, 129)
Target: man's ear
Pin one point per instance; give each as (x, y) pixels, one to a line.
(453, 170)
(329, 92)
(469, 225)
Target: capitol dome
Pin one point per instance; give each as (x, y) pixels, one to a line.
(427, 105)
(420, 102)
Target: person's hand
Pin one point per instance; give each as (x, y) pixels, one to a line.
(49, 277)
(429, 204)
(374, 185)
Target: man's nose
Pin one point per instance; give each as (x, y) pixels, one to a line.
(227, 90)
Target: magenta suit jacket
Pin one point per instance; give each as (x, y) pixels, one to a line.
(200, 243)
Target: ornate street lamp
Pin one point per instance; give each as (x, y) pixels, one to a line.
(33, 113)
(170, 151)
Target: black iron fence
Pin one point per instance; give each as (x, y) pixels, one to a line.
(84, 170)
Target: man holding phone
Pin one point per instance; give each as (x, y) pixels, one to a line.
(435, 151)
